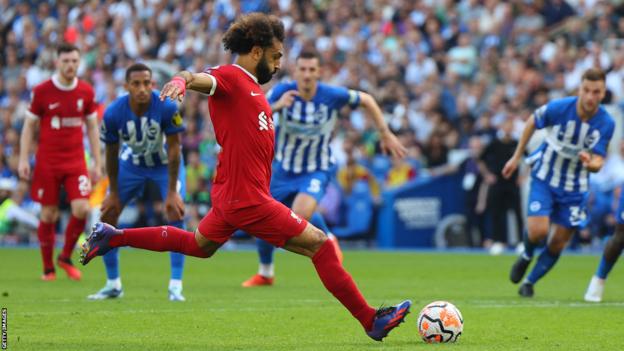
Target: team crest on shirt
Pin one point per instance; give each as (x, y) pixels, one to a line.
(535, 206)
(80, 104)
(592, 139)
(55, 122)
(294, 215)
(177, 119)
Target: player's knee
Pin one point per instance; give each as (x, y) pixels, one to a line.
(81, 211)
(618, 236)
(49, 214)
(318, 239)
(537, 230)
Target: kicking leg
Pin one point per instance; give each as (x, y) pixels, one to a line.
(313, 243)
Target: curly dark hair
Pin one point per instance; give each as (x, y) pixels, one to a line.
(254, 29)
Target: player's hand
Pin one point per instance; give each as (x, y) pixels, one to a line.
(175, 89)
(585, 158)
(23, 170)
(510, 167)
(286, 100)
(111, 208)
(390, 144)
(174, 207)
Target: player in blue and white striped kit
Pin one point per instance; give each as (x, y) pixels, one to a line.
(578, 134)
(305, 114)
(149, 131)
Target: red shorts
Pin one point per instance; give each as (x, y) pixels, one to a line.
(272, 222)
(47, 183)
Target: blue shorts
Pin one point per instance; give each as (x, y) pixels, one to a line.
(131, 181)
(619, 214)
(285, 186)
(563, 208)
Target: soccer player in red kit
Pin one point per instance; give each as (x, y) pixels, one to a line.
(243, 125)
(60, 106)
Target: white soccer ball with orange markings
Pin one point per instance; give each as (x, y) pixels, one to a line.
(440, 321)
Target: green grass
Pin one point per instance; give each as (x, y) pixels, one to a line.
(297, 313)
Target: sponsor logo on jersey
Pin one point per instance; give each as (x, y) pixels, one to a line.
(177, 119)
(55, 122)
(264, 122)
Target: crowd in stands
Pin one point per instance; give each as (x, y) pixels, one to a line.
(447, 74)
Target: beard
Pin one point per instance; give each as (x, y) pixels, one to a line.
(263, 71)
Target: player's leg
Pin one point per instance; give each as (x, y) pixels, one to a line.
(280, 226)
(78, 187)
(612, 251)
(129, 185)
(45, 190)
(161, 177)
(540, 206)
(209, 236)
(547, 258)
(46, 233)
(283, 189)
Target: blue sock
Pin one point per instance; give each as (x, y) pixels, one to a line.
(604, 268)
(529, 247)
(545, 262)
(111, 262)
(318, 221)
(265, 251)
(177, 259)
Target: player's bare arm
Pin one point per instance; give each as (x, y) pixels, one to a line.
(527, 133)
(111, 206)
(174, 206)
(26, 139)
(93, 132)
(176, 88)
(591, 161)
(285, 101)
(390, 144)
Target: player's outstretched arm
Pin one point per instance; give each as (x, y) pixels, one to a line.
(512, 164)
(26, 139)
(176, 88)
(390, 144)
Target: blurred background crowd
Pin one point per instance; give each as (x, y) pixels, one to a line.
(452, 77)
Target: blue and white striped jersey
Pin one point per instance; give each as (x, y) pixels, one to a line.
(556, 161)
(303, 130)
(142, 137)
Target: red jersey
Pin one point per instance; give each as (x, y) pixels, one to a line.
(243, 125)
(61, 111)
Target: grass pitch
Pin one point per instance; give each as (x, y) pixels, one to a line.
(297, 313)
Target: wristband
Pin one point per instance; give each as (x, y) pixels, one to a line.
(180, 83)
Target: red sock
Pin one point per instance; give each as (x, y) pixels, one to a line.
(164, 238)
(74, 228)
(341, 285)
(45, 233)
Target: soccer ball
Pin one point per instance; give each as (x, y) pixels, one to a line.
(440, 321)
